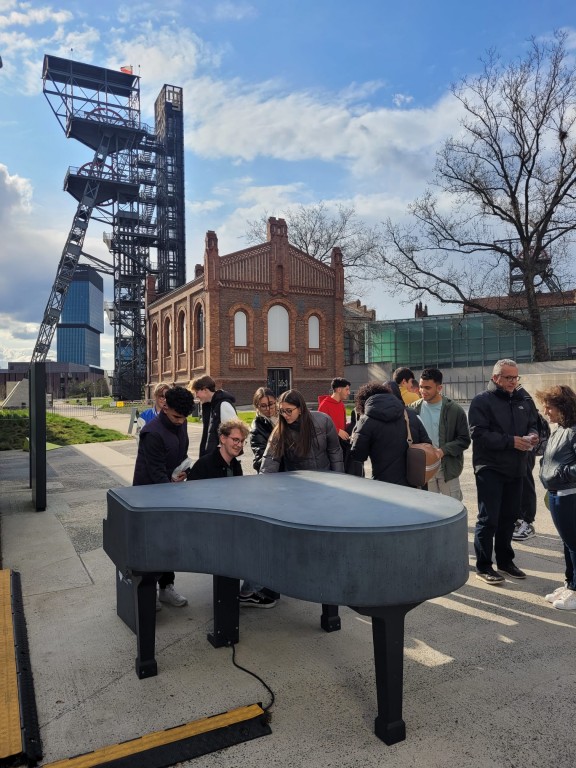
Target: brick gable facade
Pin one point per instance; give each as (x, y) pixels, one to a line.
(219, 323)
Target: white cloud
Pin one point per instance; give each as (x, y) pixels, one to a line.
(402, 99)
(230, 11)
(26, 16)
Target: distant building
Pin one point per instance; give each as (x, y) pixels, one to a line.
(269, 315)
(82, 319)
(472, 338)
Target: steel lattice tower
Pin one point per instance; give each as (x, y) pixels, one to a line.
(101, 109)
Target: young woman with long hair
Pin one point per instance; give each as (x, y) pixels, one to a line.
(302, 439)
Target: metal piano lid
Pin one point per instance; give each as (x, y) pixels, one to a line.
(319, 500)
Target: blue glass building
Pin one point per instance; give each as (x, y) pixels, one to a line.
(82, 319)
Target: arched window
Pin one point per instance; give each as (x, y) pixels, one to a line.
(154, 342)
(181, 333)
(240, 329)
(278, 329)
(167, 337)
(199, 327)
(313, 332)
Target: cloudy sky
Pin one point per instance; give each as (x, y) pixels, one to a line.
(293, 102)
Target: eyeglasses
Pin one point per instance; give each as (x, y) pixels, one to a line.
(266, 406)
(236, 440)
(286, 411)
(510, 378)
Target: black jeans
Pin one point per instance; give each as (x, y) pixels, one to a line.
(563, 511)
(498, 510)
(528, 505)
(166, 579)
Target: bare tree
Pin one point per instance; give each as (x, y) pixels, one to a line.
(316, 229)
(502, 219)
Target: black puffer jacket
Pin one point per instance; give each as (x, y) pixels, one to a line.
(558, 465)
(260, 430)
(211, 420)
(381, 435)
(495, 417)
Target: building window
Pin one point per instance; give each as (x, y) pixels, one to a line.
(240, 329)
(154, 343)
(278, 329)
(199, 327)
(181, 337)
(313, 332)
(167, 337)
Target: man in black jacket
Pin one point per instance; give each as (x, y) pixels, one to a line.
(504, 429)
(217, 406)
(223, 462)
(163, 445)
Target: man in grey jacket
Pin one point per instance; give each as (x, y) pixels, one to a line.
(447, 425)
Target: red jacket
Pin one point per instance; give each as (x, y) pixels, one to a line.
(336, 411)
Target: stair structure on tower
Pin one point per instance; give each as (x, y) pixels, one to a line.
(118, 187)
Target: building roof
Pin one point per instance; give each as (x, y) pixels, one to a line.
(518, 301)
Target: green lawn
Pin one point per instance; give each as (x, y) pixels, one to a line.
(59, 431)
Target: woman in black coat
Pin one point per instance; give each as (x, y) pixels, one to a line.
(264, 401)
(380, 433)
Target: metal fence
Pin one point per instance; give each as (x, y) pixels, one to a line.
(74, 411)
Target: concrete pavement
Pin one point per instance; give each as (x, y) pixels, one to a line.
(489, 672)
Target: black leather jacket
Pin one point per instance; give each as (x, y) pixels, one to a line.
(558, 465)
(260, 430)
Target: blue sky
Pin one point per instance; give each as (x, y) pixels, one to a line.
(344, 101)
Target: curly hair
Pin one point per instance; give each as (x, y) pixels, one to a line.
(180, 400)
(563, 398)
(226, 427)
(367, 390)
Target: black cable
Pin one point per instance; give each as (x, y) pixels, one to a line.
(249, 672)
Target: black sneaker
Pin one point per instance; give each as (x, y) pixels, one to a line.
(490, 577)
(257, 600)
(512, 571)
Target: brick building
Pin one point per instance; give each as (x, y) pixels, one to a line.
(269, 314)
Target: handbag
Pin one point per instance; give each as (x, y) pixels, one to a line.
(422, 461)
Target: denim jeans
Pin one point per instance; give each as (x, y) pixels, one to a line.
(498, 510)
(563, 511)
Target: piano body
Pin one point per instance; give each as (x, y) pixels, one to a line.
(329, 538)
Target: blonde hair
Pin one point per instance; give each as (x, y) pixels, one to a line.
(160, 388)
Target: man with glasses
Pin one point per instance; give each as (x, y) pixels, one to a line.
(504, 429)
(223, 462)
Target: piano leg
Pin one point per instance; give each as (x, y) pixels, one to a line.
(388, 639)
(226, 612)
(144, 586)
(330, 620)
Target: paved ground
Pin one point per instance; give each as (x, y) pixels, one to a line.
(489, 672)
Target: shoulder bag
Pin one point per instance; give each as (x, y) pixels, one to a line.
(422, 461)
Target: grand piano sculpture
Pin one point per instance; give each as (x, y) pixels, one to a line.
(328, 538)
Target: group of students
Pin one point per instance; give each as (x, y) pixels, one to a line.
(286, 435)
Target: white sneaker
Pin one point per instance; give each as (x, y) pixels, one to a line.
(170, 596)
(556, 594)
(566, 601)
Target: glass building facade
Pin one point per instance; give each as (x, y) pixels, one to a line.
(453, 341)
(82, 319)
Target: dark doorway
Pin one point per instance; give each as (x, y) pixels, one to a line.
(279, 380)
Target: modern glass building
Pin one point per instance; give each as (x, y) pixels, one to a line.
(82, 319)
(453, 341)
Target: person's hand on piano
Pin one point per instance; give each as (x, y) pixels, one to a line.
(179, 477)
